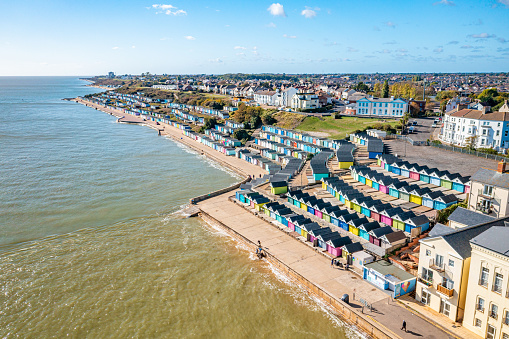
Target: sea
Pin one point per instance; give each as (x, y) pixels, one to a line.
(94, 244)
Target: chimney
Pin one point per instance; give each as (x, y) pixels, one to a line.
(501, 167)
(461, 106)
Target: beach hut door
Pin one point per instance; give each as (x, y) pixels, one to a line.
(349, 260)
(315, 243)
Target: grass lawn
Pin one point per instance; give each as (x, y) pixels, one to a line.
(339, 128)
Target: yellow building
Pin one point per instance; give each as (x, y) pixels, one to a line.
(487, 307)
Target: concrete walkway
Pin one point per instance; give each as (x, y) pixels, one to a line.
(316, 268)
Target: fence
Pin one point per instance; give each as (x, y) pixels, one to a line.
(470, 152)
(408, 139)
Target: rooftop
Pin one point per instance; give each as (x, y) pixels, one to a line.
(386, 268)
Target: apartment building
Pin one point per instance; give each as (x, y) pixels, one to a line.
(478, 128)
(266, 97)
(381, 107)
(489, 191)
(305, 101)
(487, 306)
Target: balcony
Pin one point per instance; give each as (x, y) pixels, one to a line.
(425, 280)
(445, 291)
(439, 267)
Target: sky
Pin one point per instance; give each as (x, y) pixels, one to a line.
(93, 37)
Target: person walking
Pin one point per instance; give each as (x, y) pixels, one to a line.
(332, 263)
(403, 327)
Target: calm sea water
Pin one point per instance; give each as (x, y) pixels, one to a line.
(92, 244)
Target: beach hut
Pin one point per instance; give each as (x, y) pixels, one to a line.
(326, 236)
(376, 210)
(417, 194)
(349, 249)
(446, 180)
(314, 232)
(334, 245)
(349, 196)
(393, 239)
(374, 181)
(282, 214)
(434, 177)
(377, 233)
(367, 204)
(384, 183)
(326, 212)
(424, 174)
(387, 215)
(444, 201)
(389, 277)
(292, 219)
(394, 188)
(404, 192)
(335, 216)
(365, 228)
(345, 219)
(356, 203)
(318, 206)
(300, 223)
(259, 201)
(417, 221)
(459, 183)
(427, 198)
(353, 225)
(306, 228)
(396, 169)
(405, 169)
(398, 221)
(278, 187)
(414, 171)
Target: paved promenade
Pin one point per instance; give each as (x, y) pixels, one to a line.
(316, 268)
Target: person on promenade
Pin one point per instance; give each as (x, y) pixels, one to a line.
(403, 327)
(332, 263)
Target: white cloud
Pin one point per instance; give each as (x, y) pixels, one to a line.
(116, 47)
(239, 47)
(190, 37)
(289, 36)
(277, 9)
(482, 36)
(438, 49)
(271, 25)
(444, 2)
(133, 46)
(308, 13)
(168, 9)
(390, 24)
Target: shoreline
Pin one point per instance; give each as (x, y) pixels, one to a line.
(348, 314)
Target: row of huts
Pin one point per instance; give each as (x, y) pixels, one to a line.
(223, 138)
(344, 154)
(396, 217)
(201, 110)
(428, 175)
(219, 146)
(375, 146)
(401, 189)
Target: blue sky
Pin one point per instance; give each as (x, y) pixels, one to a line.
(57, 37)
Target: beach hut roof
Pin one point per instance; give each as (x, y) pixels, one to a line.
(447, 198)
(404, 216)
(367, 227)
(359, 221)
(328, 236)
(316, 231)
(393, 211)
(424, 170)
(433, 195)
(338, 213)
(276, 207)
(393, 237)
(260, 200)
(301, 222)
(310, 226)
(338, 242)
(378, 232)
(370, 203)
(284, 211)
(398, 184)
(296, 217)
(461, 180)
(379, 208)
(417, 220)
(347, 217)
(353, 247)
(331, 208)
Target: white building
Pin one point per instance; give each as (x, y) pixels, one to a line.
(463, 127)
(382, 107)
(268, 98)
(305, 101)
(286, 95)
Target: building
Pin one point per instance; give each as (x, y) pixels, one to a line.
(266, 97)
(487, 306)
(381, 107)
(477, 128)
(286, 95)
(111, 75)
(462, 217)
(444, 261)
(489, 191)
(302, 101)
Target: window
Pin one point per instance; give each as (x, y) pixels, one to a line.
(498, 133)
(497, 286)
(428, 253)
(498, 124)
(447, 283)
(505, 336)
(491, 332)
(480, 304)
(506, 318)
(485, 274)
(478, 322)
(487, 190)
(445, 307)
(427, 274)
(506, 133)
(494, 311)
(451, 263)
(439, 260)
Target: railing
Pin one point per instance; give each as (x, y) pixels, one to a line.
(467, 151)
(445, 291)
(425, 280)
(436, 267)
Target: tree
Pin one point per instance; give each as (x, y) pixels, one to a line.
(385, 89)
(471, 142)
(241, 134)
(210, 122)
(361, 87)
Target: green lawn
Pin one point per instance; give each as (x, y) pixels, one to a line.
(339, 128)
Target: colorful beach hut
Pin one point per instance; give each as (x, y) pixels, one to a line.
(444, 201)
(395, 187)
(334, 245)
(398, 221)
(428, 199)
(336, 215)
(434, 177)
(376, 234)
(417, 221)
(349, 249)
(345, 219)
(353, 225)
(424, 174)
(365, 228)
(446, 180)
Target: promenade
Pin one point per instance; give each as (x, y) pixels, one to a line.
(316, 268)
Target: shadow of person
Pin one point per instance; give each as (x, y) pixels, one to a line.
(414, 333)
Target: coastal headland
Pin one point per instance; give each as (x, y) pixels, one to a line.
(307, 268)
